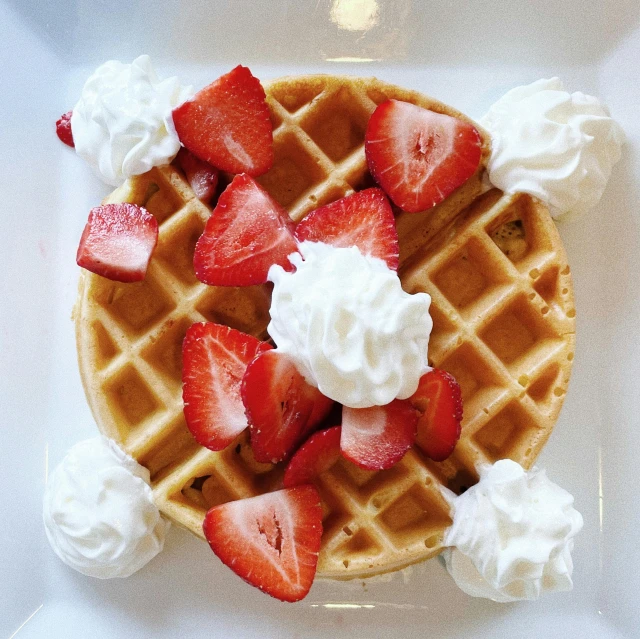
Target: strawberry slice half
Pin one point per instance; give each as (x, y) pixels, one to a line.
(227, 124)
(317, 454)
(117, 242)
(322, 406)
(63, 129)
(418, 156)
(362, 219)
(376, 438)
(214, 360)
(247, 232)
(202, 177)
(278, 404)
(271, 541)
(439, 401)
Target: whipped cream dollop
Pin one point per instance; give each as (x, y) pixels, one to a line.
(555, 145)
(512, 535)
(122, 124)
(348, 325)
(99, 513)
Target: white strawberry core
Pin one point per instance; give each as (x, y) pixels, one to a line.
(348, 325)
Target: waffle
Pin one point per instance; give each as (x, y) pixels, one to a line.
(503, 324)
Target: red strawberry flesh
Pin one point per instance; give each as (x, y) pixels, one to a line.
(271, 541)
(214, 360)
(439, 401)
(419, 156)
(322, 406)
(362, 219)
(63, 129)
(278, 403)
(202, 177)
(246, 234)
(376, 438)
(227, 124)
(117, 242)
(319, 453)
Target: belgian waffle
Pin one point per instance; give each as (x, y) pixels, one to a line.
(502, 309)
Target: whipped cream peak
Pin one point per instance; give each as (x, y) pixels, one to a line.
(348, 325)
(122, 124)
(555, 145)
(512, 535)
(99, 513)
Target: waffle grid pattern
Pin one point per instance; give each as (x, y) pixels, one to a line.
(503, 325)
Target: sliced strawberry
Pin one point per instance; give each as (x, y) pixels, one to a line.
(278, 403)
(317, 454)
(247, 232)
(214, 360)
(272, 541)
(202, 177)
(418, 156)
(362, 219)
(439, 400)
(227, 124)
(63, 129)
(117, 242)
(321, 408)
(376, 438)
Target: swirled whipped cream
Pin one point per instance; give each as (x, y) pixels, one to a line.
(512, 535)
(99, 514)
(348, 325)
(555, 145)
(122, 124)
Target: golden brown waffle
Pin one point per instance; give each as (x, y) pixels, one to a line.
(503, 325)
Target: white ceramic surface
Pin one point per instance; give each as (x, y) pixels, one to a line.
(467, 56)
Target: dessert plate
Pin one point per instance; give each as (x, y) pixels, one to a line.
(467, 58)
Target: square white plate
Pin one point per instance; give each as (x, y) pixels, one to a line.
(466, 54)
